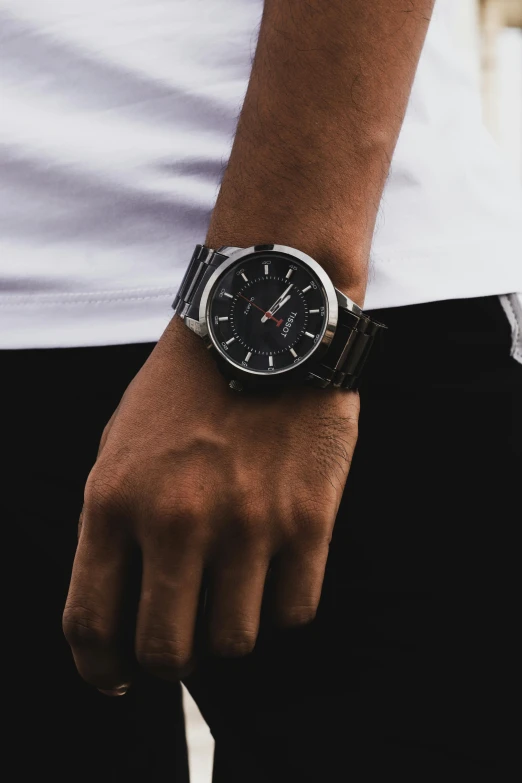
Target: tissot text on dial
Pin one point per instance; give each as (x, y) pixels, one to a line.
(289, 321)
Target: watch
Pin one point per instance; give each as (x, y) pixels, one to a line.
(271, 316)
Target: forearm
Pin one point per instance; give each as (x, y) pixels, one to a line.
(323, 110)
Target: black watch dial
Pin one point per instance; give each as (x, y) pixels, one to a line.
(268, 312)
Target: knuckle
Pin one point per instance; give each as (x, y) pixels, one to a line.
(104, 492)
(83, 628)
(298, 615)
(163, 658)
(234, 643)
(314, 519)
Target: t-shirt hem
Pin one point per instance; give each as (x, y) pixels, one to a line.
(140, 315)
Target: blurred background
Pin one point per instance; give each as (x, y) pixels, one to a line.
(489, 35)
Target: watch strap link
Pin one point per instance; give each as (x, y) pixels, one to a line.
(344, 360)
(201, 267)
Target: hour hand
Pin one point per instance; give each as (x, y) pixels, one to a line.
(280, 304)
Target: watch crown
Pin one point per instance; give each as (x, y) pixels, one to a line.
(236, 386)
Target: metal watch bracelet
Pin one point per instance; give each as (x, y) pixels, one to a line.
(340, 366)
(202, 265)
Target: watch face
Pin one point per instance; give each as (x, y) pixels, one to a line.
(268, 312)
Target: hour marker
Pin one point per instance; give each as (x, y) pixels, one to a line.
(294, 354)
(223, 318)
(229, 295)
(247, 357)
(231, 340)
(310, 335)
(314, 311)
(289, 274)
(270, 361)
(308, 287)
(266, 269)
(245, 278)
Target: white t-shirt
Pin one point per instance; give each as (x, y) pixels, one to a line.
(117, 117)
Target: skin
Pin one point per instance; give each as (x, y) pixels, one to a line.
(197, 491)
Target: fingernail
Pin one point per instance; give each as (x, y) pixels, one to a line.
(121, 690)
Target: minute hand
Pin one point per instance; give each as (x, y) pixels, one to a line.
(277, 304)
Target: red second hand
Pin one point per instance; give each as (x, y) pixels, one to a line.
(268, 314)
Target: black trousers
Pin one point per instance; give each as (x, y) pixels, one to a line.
(399, 674)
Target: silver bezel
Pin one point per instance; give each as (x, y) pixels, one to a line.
(332, 306)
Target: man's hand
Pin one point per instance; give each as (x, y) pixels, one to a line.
(199, 479)
(193, 477)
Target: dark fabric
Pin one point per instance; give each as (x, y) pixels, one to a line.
(55, 404)
(399, 675)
